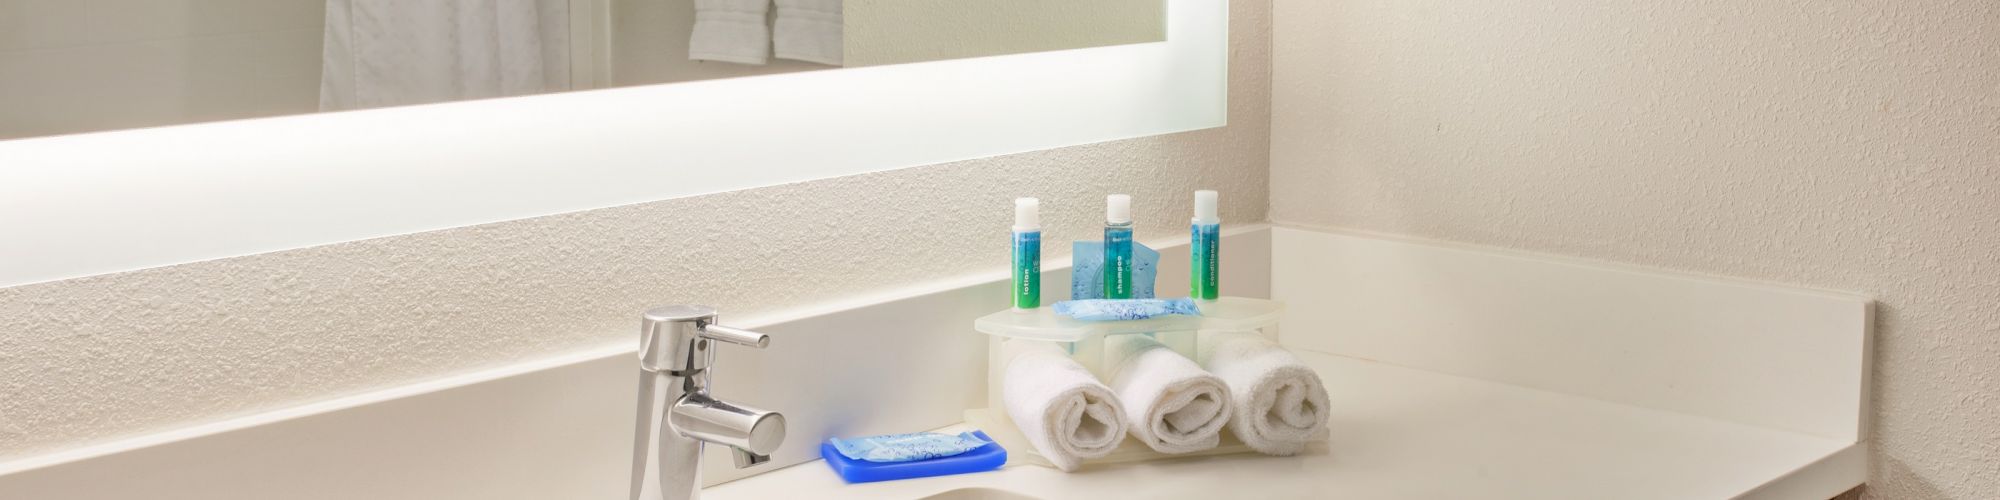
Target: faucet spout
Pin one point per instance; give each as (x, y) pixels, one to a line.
(748, 430)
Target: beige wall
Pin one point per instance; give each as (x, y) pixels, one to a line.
(70, 66)
(901, 31)
(96, 358)
(1844, 145)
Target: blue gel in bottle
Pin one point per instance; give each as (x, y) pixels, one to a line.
(1118, 247)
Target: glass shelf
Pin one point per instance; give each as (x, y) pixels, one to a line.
(1226, 313)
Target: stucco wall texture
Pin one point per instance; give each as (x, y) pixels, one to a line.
(1841, 145)
(92, 359)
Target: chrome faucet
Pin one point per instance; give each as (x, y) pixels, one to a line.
(676, 413)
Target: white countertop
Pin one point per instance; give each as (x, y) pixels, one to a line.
(1405, 433)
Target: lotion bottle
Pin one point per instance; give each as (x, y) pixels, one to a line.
(1027, 271)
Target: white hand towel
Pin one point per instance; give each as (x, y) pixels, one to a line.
(1171, 404)
(1066, 413)
(810, 31)
(731, 31)
(1278, 400)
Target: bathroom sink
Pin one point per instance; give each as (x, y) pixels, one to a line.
(978, 494)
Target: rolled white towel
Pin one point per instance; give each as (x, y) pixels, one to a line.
(1171, 404)
(1278, 400)
(1066, 413)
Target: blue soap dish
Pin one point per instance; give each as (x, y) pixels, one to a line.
(980, 459)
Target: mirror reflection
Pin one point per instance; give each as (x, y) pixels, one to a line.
(70, 66)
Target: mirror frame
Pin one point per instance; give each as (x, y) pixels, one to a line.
(98, 203)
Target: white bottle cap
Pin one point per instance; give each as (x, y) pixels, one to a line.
(1204, 208)
(1027, 214)
(1118, 208)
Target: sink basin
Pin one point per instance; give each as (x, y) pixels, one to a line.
(978, 494)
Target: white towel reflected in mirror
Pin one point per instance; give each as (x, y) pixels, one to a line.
(746, 32)
(734, 31)
(810, 31)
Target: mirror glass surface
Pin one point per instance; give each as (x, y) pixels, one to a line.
(71, 66)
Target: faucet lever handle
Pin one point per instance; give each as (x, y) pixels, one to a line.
(733, 335)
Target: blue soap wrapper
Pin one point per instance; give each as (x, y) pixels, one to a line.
(907, 447)
(986, 458)
(1086, 272)
(1125, 309)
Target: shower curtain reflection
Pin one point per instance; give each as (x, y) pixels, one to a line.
(396, 52)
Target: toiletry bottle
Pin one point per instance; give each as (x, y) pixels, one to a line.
(1027, 253)
(1205, 243)
(1118, 246)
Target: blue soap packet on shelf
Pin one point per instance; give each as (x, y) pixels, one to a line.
(907, 447)
(1125, 309)
(984, 458)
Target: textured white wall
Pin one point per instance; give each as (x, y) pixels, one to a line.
(1844, 145)
(97, 358)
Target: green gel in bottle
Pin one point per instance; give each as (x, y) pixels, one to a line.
(1205, 243)
(1027, 253)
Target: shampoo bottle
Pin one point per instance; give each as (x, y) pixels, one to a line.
(1118, 246)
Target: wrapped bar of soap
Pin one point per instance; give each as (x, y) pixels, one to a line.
(981, 459)
(907, 447)
(1125, 309)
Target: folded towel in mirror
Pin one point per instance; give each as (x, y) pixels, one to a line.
(1066, 413)
(1171, 404)
(731, 31)
(810, 31)
(1280, 403)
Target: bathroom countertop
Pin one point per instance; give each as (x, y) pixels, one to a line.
(1405, 433)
